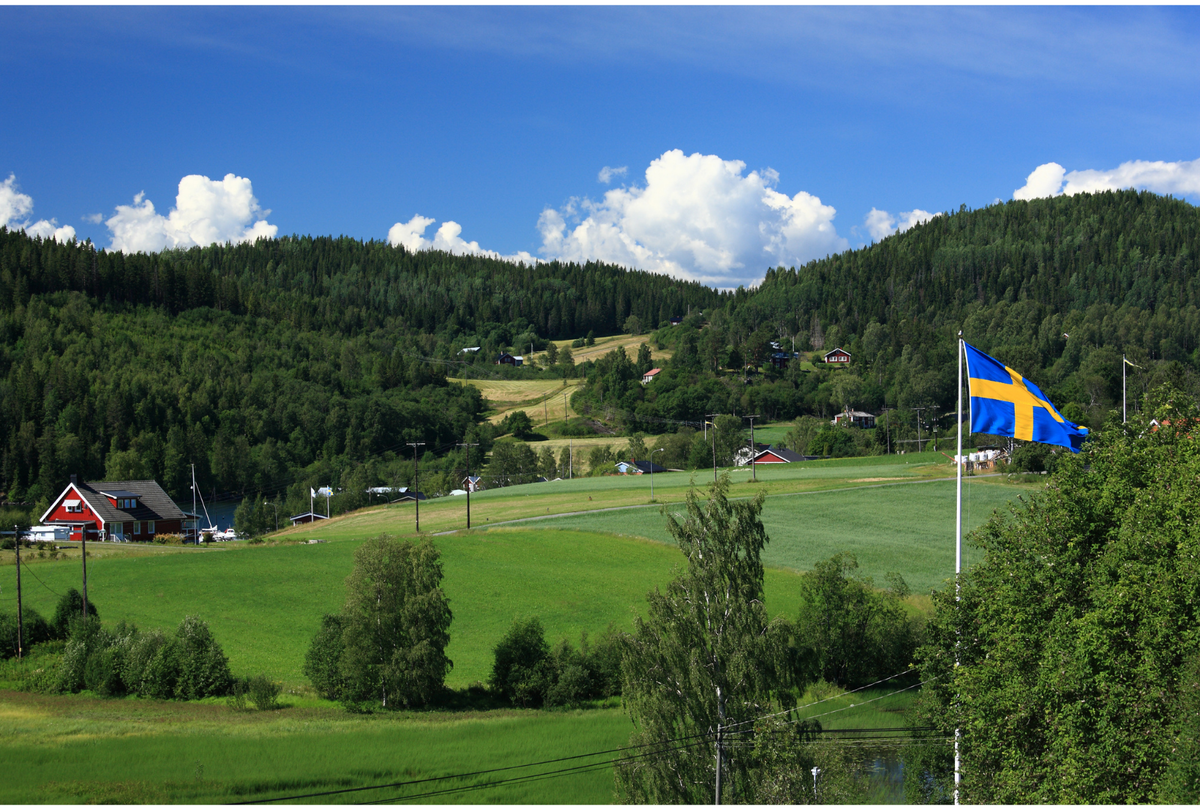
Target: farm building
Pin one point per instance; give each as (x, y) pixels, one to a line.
(650, 375)
(858, 419)
(780, 360)
(121, 511)
(307, 517)
(507, 359)
(473, 483)
(636, 467)
(839, 356)
(743, 454)
(779, 455)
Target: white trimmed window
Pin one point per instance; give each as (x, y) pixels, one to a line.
(137, 527)
(149, 527)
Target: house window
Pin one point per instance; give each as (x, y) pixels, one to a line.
(150, 527)
(74, 506)
(137, 527)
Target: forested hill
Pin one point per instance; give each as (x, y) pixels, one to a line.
(1058, 288)
(351, 286)
(285, 362)
(1133, 252)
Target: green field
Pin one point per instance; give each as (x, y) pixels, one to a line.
(577, 571)
(905, 527)
(76, 749)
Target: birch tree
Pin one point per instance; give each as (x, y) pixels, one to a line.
(705, 662)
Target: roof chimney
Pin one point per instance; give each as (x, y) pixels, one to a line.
(74, 479)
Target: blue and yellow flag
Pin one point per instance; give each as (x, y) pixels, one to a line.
(1004, 403)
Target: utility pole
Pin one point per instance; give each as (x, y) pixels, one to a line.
(918, 410)
(468, 445)
(83, 556)
(652, 452)
(416, 481)
(888, 427)
(20, 616)
(753, 448)
(714, 427)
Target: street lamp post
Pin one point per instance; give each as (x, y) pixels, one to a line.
(276, 508)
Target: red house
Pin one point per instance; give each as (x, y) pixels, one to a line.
(838, 355)
(121, 511)
(777, 455)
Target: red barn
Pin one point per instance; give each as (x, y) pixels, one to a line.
(122, 511)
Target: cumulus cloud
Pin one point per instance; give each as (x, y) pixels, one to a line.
(1181, 178)
(206, 211)
(881, 224)
(697, 217)
(15, 207)
(447, 237)
(608, 173)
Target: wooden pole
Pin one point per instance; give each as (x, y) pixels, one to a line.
(20, 615)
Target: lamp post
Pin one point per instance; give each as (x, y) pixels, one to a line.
(652, 452)
(276, 508)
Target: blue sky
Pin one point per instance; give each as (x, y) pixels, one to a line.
(748, 137)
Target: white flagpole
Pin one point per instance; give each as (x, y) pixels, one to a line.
(1123, 362)
(958, 540)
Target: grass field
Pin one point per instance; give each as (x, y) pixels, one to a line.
(604, 345)
(544, 400)
(75, 749)
(904, 527)
(576, 572)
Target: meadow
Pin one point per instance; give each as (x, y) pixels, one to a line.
(576, 570)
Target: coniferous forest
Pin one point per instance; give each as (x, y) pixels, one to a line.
(315, 359)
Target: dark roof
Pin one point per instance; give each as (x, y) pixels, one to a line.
(648, 466)
(153, 502)
(783, 453)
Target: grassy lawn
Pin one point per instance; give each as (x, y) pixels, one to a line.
(156, 752)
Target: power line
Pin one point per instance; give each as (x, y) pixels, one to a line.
(660, 747)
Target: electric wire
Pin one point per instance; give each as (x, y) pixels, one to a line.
(666, 746)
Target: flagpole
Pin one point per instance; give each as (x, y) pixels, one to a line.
(1123, 362)
(958, 540)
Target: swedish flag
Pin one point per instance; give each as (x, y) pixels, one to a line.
(1006, 404)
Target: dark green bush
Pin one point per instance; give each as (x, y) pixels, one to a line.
(519, 668)
(203, 667)
(70, 607)
(36, 630)
(323, 662)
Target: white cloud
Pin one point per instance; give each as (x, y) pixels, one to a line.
(95, 219)
(411, 235)
(15, 206)
(206, 211)
(608, 173)
(1181, 178)
(698, 217)
(881, 224)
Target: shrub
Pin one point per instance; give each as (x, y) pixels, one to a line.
(519, 668)
(203, 667)
(169, 539)
(86, 636)
(70, 608)
(142, 649)
(259, 690)
(36, 630)
(323, 662)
